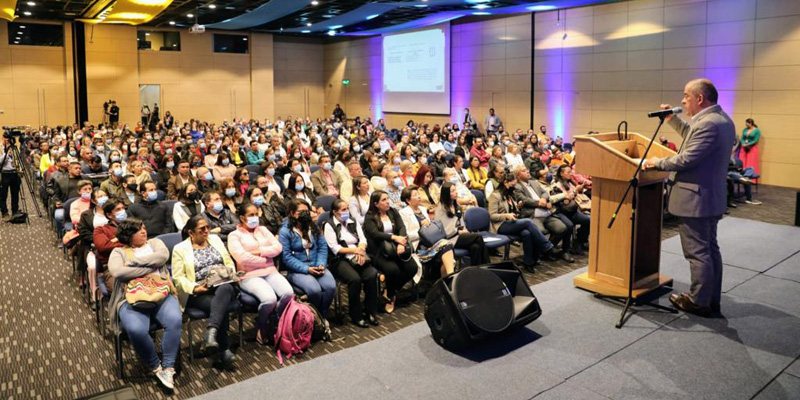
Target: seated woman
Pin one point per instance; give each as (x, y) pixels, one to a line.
(241, 181)
(91, 218)
(305, 256)
(192, 261)
(429, 191)
(477, 175)
(187, 206)
(496, 174)
(387, 243)
(105, 239)
(139, 258)
(570, 208)
(415, 216)
(351, 265)
(230, 197)
(504, 212)
(359, 203)
(223, 169)
(274, 185)
(254, 248)
(450, 215)
(296, 188)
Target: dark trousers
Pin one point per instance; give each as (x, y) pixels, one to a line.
(578, 218)
(397, 272)
(700, 248)
(355, 276)
(534, 243)
(216, 303)
(10, 182)
(473, 242)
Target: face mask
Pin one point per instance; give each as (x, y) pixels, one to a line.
(299, 187)
(100, 148)
(345, 216)
(252, 222)
(73, 153)
(108, 141)
(152, 196)
(529, 151)
(297, 155)
(271, 157)
(86, 196)
(298, 168)
(117, 172)
(357, 148)
(423, 160)
(214, 151)
(320, 150)
(133, 149)
(209, 176)
(271, 172)
(170, 165)
(549, 177)
(412, 159)
(304, 217)
(225, 162)
(202, 145)
(217, 207)
(102, 201)
(258, 201)
(132, 187)
(397, 182)
(115, 159)
(169, 151)
(546, 147)
(230, 192)
(328, 166)
(121, 215)
(397, 160)
(193, 196)
(454, 180)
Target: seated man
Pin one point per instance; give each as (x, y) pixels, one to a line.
(156, 215)
(205, 180)
(220, 219)
(326, 181)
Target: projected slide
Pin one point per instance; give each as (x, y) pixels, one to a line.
(416, 71)
(414, 62)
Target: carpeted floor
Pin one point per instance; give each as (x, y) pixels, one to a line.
(51, 347)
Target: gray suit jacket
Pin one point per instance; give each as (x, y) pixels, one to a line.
(697, 185)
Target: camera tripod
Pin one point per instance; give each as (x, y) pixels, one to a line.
(26, 176)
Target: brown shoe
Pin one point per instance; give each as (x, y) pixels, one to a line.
(684, 303)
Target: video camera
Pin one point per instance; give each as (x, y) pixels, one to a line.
(13, 131)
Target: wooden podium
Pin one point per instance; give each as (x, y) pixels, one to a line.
(629, 252)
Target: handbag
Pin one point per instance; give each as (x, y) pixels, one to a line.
(584, 202)
(390, 250)
(432, 234)
(148, 291)
(220, 275)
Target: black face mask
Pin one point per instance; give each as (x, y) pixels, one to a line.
(132, 187)
(193, 196)
(304, 218)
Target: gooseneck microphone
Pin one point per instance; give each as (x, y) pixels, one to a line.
(664, 113)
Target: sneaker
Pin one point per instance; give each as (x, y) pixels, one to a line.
(166, 377)
(753, 202)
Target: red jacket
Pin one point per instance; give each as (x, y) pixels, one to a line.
(481, 154)
(103, 236)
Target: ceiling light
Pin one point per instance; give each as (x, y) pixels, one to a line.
(27, 13)
(244, 38)
(212, 6)
(478, 1)
(331, 33)
(308, 24)
(315, 3)
(147, 33)
(481, 13)
(174, 45)
(542, 7)
(16, 38)
(333, 27)
(30, 3)
(230, 8)
(420, 5)
(305, 31)
(369, 17)
(190, 15)
(16, 42)
(482, 6)
(22, 27)
(172, 22)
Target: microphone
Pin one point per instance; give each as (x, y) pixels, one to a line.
(664, 113)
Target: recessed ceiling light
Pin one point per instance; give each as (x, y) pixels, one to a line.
(27, 13)
(420, 5)
(373, 16)
(212, 6)
(334, 27)
(147, 33)
(305, 31)
(190, 15)
(16, 38)
(331, 33)
(174, 45)
(16, 42)
(230, 8)
(308, 24)
(244, 38)
(30, 3)
(481, 13)
(542, 7)
(315, 3)
(482, 6)
(22, 27)
(172, 22)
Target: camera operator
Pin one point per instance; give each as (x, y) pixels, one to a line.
(10, 181)
(113, 114)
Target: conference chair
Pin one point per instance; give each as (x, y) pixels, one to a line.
(191, 314)
(121, 336)
(170, 240)
(161, 195)
(326, 202)
(254, 170)
(480, 196)
(314, 168)
(476, 220)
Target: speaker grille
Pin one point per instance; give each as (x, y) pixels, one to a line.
(484, 299)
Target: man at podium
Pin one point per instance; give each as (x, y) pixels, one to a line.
(697, 191)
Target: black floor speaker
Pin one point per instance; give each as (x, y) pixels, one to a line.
(477, 302)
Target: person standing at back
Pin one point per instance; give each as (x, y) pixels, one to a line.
(697, 191)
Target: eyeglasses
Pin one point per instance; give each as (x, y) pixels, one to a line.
(204, 228)
(245, 174)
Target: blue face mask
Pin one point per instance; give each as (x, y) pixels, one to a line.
(114, 158)
(454, 180)
(225, 162)
(217, 207)
(298, 168)
(73, 153)
(121, 215)
(252, 222)
(345, 216)
(398, 183)
(118, 172)
(102, 201)
(328, 166)
(108, 141)
(230, 192)
(131, 197)
(271, 157)
(170, 165)
(397, 160)
(271, 172)
(214, 151)
(202, 145)
(86, 196)
(299, 187)
(320, 149)
(169, 151)
(209, 176)
(152, 196)
(258, 201)
(356, 148)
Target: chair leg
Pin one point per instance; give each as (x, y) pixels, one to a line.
(191, 342)
(507, 251)
(241, 327)
(118, 348)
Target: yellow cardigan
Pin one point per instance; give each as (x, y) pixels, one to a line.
(478, 179)
(183, 266)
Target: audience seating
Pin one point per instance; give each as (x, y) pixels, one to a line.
(326, 202)
(254, 170)
(476, 220)
(480, 196)
(161, 195)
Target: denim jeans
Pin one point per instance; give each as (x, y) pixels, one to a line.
(267, 289)
(534, 243)
(136, 323)
(319, 289)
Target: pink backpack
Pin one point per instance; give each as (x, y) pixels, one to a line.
(294, 329)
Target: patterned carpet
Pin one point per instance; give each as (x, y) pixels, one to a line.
(52, 349)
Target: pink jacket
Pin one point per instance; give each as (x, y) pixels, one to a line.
(242, 242)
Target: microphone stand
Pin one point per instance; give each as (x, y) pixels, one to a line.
(619, 132)
(633, 184)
